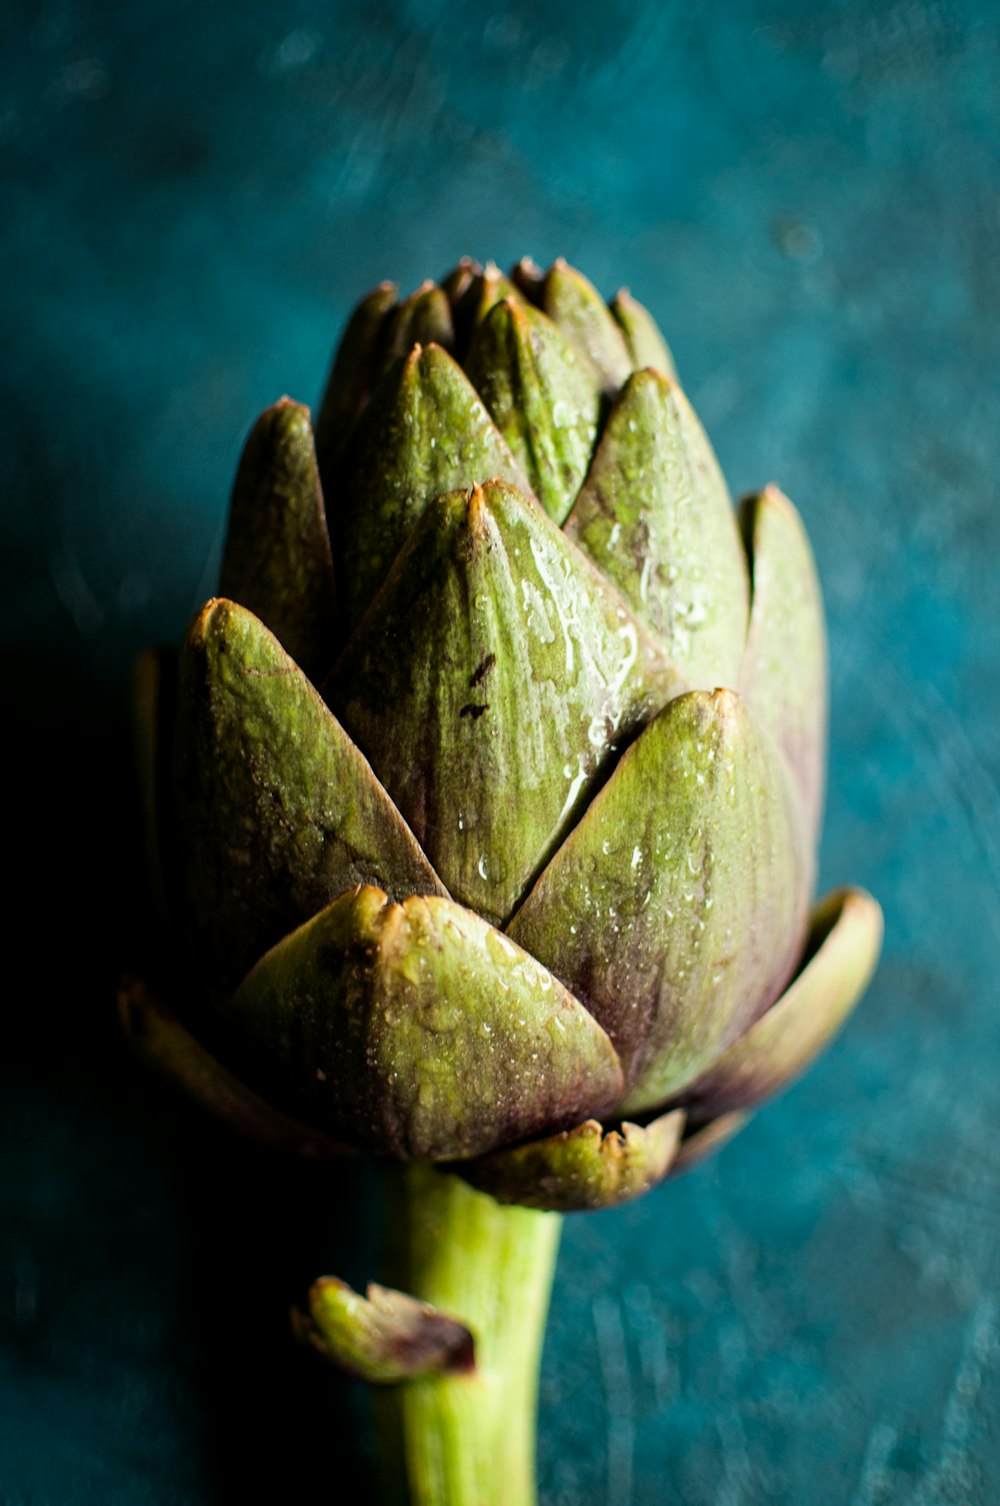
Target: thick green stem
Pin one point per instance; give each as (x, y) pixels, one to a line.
(468, 1439)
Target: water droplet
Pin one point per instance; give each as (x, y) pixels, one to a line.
(501, 950)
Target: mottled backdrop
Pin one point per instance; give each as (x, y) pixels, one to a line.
(192, 196)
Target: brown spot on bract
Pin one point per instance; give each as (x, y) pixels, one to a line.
(479, 675)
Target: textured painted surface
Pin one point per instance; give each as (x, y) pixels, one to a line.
(191, 199)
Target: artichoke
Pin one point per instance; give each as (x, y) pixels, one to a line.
(486, 797)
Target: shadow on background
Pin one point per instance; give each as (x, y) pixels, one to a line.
(154, 1255)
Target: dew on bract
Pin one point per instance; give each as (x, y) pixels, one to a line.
(441, 1017)
(501, 949)
(597, 733)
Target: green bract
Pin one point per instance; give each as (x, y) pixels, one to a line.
(486, 801)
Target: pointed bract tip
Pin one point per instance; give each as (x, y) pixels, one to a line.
(772, 493)
(201, 621)
(514, 307)
(726, 703)
(289, 414)
(529, 278)
(412, 360)
(215, 608)
(652, 374)
(770, 497)
(475, 505)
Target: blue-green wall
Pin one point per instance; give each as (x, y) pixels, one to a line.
(192, 196)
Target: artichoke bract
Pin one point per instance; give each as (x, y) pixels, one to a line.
(486, 796)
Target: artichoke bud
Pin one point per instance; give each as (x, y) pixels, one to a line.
(502, 856)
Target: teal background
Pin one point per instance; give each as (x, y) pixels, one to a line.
(192, 197)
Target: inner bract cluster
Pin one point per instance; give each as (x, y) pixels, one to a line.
(486, 795)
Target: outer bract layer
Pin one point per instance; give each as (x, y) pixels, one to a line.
(486, 801)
